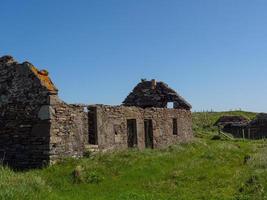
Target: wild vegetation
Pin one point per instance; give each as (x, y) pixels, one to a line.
(203, 169)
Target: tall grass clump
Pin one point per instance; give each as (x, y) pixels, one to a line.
(17, 185)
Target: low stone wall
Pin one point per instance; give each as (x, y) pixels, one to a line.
(112, 126)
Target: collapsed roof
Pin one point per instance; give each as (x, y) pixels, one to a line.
(155, 94)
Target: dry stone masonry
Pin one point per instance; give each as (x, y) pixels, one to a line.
(120, 127)
(37, 128)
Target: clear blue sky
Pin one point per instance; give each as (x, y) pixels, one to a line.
(213, 52)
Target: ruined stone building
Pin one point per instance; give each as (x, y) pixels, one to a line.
(241, 127)
(236, 125)
(37, 128)
(257, 128)
(143, 120)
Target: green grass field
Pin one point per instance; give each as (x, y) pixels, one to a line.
(203, 169)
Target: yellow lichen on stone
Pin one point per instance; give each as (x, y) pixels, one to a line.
(44, 79)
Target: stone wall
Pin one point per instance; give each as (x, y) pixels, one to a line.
(69, 130)
(35, 126)
(112, 126)
(24, 138)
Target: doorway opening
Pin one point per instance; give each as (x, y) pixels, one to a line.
(174, 126)
(92, 122)
(148, 133)
(131, 133)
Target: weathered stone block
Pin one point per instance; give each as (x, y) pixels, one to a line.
(46, 112)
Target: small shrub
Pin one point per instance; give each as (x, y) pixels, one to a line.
(77, 175)
(216, 137)
(247, 158)
(251, 189)
(176, 174)
(94, 178)
(87, 154)
(208, 156)
(81, 175)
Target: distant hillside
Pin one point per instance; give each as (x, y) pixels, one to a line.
(203, 122)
